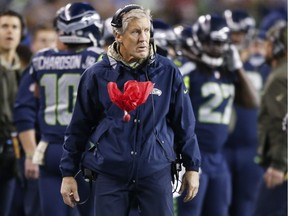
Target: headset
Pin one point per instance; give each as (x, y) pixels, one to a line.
(278, 35)
(90, 177)
(117, 18)
(278, 49)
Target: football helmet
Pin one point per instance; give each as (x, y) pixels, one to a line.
(239, 21)
(273, 28)
(107, 36)
(271, 18)
(210, 35)
(164, 38)
(242, 27)
(186, 41)
(79, 23)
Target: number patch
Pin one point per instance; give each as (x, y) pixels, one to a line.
(208, 112)
(60, 97)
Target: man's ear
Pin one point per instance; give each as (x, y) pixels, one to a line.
(118, 37)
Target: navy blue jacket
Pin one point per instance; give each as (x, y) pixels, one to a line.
(147, 143)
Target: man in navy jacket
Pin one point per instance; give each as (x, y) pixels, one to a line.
(131, 158)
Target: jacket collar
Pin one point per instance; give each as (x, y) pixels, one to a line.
(115, 57)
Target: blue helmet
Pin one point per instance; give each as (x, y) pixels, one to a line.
(79, 23)
(186, 40)
(210, 28)
(239, 21)
(242, 27)
(185, 37)
(271, 19)
(210, 35)
(107, 36)
(164, 36)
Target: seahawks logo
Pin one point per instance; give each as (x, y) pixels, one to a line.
(156, 91)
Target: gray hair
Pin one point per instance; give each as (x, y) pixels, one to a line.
(130, 15)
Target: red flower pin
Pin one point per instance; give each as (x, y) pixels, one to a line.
(135, 93)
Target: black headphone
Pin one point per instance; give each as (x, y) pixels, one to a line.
(278, 36)
(278, 49)
(117, 18)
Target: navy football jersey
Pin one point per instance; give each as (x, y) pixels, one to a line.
(212, 93)
(57, 74)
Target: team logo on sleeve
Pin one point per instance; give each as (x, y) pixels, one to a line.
(90, 60)
(32, 87)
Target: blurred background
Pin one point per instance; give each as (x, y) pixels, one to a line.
(172, 11)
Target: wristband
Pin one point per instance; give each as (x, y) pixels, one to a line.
(29, 155)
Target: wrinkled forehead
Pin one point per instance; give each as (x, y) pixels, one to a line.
(140, 22)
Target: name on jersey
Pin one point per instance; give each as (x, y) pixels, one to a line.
(57, 62)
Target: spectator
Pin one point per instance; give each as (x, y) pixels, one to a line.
(215, 78)
(243, 138)
(25, 107)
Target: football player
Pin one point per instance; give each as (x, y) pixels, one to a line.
(56, 73)
(215, 79)
(164, 39)
(243, 138)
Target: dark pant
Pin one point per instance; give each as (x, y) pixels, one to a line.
(26, 197)
(7, 187)
(246, 176)
(152, 194)
(52, 203)
(214, 193)
(7, 182)
(272, 202)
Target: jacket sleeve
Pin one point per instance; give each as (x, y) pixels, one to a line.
(26, 104)
(182, 115)
(274, 101)
(83, 120)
